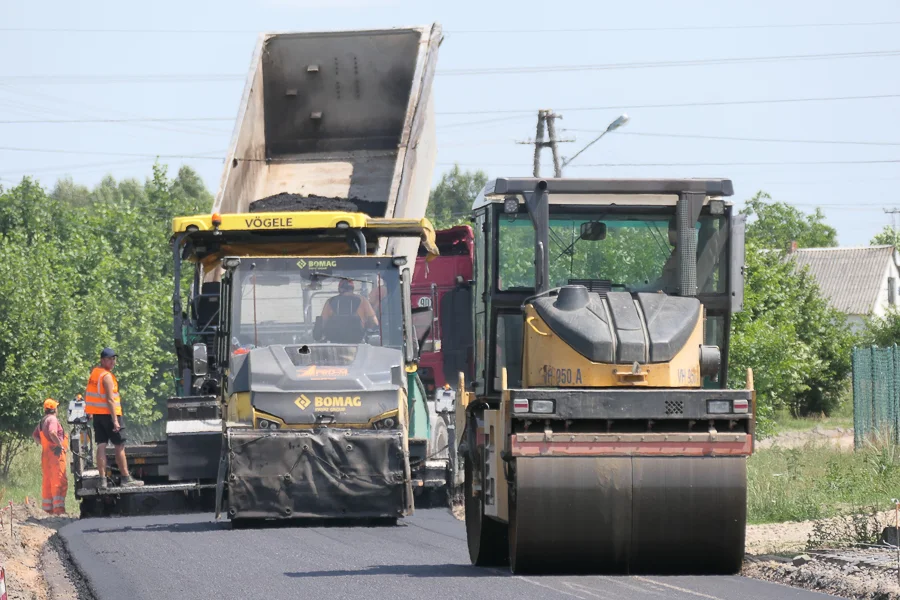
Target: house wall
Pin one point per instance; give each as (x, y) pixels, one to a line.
(882, 301)
(856, 323)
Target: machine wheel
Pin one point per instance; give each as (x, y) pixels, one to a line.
(440, 449)
(487, 538)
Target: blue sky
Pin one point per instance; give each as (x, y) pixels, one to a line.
(42, 77)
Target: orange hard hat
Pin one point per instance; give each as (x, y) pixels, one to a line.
(50, 404)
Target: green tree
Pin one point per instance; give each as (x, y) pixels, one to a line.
(81, 269)
(882, 331)
(450, 202)
(797, 345)
(775, 225)
(887, 237)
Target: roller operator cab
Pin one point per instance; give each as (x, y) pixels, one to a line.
(311, 359)
(598, 430)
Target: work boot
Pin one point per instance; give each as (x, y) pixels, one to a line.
(129, 481)
(103, 484)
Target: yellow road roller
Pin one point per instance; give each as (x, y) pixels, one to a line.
(598, 432)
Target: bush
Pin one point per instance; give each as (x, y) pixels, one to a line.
(798, 346)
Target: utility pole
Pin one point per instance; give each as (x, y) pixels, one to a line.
(893, 212)
(546, 118)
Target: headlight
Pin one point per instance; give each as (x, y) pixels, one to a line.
(265, 424)
(386, 423)
(718, 407)
(542, 407)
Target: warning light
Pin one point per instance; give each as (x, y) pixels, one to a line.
(216, 219)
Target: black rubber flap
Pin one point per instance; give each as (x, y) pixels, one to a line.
(456, 332)
(670, 321)
(625, 317)
(328, 473)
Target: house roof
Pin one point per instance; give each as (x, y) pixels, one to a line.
(849, 277)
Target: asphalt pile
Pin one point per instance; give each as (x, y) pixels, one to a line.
(287, 202)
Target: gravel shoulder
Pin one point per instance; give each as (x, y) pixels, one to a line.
(36, 563)
(852, 579)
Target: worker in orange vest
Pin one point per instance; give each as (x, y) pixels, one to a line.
(54, 459)
(102, 402)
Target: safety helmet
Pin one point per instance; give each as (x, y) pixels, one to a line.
(50, 404)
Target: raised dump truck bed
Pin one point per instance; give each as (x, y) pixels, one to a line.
(338, 115)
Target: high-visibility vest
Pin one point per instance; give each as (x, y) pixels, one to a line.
(95, 396)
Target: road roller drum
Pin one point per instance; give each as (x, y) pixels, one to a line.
(627, 515)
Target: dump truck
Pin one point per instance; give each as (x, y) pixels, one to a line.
(329, 166)
(598, 430)
(443, 283)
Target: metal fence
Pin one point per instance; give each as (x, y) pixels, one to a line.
(876, 394)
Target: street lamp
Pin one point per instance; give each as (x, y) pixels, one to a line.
(621, 120)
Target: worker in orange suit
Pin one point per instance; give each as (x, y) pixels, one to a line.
(54, 459)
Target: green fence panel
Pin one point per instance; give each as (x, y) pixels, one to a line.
(876, 394)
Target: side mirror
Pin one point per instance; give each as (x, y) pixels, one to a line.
(200, 362)
(422, 319)
(593, 231)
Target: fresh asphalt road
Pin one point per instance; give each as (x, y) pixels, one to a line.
(138, 558)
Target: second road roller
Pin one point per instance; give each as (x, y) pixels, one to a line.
(598, 432)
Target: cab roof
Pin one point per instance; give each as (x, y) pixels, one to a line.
(603, 191)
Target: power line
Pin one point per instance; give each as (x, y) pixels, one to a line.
(78, 167)
(524, 111)
(674, 28)
(688, 164)
(124, 120)
(741, 139)
(101, 79)
(204, 155)
(474, 31)
(666, 63)
(203, 77)
(68, 102)
(746, 164)
(513, 113)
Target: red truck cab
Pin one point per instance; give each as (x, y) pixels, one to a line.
(443, 284)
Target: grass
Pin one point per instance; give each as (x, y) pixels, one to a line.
(843, 417)
(25, 480)
(799, 484)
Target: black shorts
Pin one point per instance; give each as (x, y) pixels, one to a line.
(103, 430)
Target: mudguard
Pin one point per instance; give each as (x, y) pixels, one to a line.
(325, 473)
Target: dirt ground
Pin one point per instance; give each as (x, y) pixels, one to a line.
(840, 437)
(792, 537)
(35, 564)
